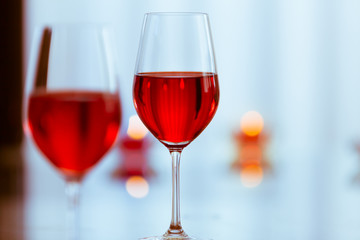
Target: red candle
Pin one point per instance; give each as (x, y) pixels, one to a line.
(134, 148)
(251, 142)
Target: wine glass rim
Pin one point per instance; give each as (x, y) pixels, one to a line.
(178, 13)
(75, 25)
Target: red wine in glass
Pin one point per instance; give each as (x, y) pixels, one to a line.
(176, 106)
(74, 129)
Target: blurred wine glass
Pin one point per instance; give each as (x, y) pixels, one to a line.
(72, 102)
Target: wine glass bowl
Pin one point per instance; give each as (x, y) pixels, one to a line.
(73, 129)
(176, 90)
(73, 105)
(179, 105)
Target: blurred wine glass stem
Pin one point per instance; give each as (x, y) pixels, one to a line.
(72, 191)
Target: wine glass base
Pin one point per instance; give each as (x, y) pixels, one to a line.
(172, 238)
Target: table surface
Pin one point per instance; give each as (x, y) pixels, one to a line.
(296, 200)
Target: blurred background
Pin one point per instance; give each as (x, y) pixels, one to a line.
(280, 160)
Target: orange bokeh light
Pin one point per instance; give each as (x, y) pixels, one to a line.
(251, 175)
(136, 129)
(137, 187)
(252, 123)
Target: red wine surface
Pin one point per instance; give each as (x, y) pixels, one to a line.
(176, 106)
(74, 129)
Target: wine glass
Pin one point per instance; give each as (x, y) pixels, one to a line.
(176, 90)
(72, 103)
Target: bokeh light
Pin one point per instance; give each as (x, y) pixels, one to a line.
(252, 123)
(26, 128)
(251, 175)
(137, 187)
(136, 129)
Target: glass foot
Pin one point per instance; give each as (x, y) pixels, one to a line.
(172, 238)
(174, 233)
(169, 238)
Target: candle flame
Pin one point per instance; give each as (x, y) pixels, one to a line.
(252, 123)
(136, 129)
(137, 187)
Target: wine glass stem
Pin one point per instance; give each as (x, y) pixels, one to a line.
(72, 194)
(175, 225)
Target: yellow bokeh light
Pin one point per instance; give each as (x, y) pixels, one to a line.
(137, 187)
(136, 129)
(252, 123)
(251, 175)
